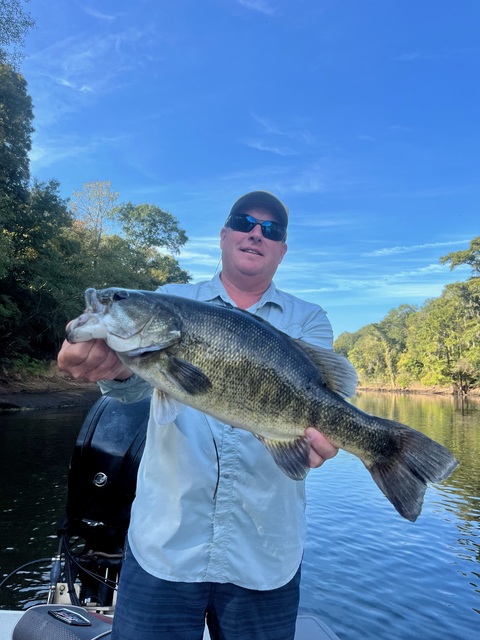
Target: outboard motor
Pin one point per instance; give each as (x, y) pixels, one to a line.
(101, 486)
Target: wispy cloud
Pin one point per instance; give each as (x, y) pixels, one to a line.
(261, 146)
(262, 6)
(95, 13)
(389, 251)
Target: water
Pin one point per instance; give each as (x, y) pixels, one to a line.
(367, 572)
(370, 574)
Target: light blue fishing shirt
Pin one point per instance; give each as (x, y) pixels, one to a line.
(250, 528)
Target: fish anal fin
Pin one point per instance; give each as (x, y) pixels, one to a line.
(186, 376)
(291, 456)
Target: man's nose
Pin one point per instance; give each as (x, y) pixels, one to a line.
(256, 232)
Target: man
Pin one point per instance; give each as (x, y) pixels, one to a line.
(217, 530)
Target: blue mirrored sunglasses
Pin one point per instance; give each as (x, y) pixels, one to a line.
(245, 223)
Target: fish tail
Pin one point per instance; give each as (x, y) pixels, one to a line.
(403, 477)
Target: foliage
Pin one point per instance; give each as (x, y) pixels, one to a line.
(15, 22)
(470, 256)
(16, 128)
(438, 344)
(50, 251)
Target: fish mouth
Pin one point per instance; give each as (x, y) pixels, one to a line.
(97, 305)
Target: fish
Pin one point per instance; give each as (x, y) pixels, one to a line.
(238, 368)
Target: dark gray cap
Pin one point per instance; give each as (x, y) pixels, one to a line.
(264, 199)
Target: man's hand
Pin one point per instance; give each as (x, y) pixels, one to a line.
(321, 449)
(91, 361)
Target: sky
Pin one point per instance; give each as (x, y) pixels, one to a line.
(363, 116)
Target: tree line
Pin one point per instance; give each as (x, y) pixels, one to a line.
(437, 344)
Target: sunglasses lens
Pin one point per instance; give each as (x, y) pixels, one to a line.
(273, 231)
(245, 223)
(242, 223)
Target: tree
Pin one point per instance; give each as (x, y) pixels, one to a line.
(375, 350)
(470, 256)
(93, 207)
(16, 128)
(15, 22)
(146, 225)
(443, 342)
(35, 292)
(123, 244)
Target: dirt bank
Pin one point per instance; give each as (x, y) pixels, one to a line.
(49, 392)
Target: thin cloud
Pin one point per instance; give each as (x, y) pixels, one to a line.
(389, 251)
(95, 13)
(262, 6)
(261, 146)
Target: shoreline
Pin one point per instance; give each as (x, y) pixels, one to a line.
(58, 392)
(46, 393)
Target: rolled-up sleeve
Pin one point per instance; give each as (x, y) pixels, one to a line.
(131, 390)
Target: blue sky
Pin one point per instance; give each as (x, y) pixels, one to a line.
(363, 116)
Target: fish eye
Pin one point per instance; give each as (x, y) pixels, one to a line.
(119, 295)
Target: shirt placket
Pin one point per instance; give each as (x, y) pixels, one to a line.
(217, 568)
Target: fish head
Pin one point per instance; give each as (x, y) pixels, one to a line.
(130, 321)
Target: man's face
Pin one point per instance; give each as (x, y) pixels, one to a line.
(251, 254)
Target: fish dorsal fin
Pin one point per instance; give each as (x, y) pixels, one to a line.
(291, 456)
(338, 373)
(186, 376)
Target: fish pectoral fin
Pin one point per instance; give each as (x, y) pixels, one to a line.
(291, 456)
(186, 376)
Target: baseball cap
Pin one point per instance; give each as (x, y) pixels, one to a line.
(265, 199)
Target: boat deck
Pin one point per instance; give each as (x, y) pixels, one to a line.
(309, 627)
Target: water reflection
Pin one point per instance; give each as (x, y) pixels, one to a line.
(371, 574)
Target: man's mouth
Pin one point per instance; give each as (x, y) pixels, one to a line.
(252, 251)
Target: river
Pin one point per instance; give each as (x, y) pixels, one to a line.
(367, 572)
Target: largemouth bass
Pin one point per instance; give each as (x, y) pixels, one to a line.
(239, 369)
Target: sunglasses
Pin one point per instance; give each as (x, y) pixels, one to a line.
(245, 223)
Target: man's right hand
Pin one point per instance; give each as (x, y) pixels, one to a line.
(91, 361)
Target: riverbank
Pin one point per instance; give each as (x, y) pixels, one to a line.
(57, 390)
(51, 391)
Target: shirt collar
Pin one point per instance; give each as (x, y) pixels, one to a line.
(214, 290)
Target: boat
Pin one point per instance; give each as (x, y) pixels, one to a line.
(81, 593)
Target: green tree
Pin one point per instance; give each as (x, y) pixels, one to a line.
(93, 208)
(470, 256)
(33, 292)
(127, 245)
(443, 344)
(375, 350)
(15, 22)
(16, 128)
(146, 225)
(345, 343)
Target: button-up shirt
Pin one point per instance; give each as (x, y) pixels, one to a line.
(211, 504)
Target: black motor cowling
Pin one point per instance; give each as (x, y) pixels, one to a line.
(103, 472)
